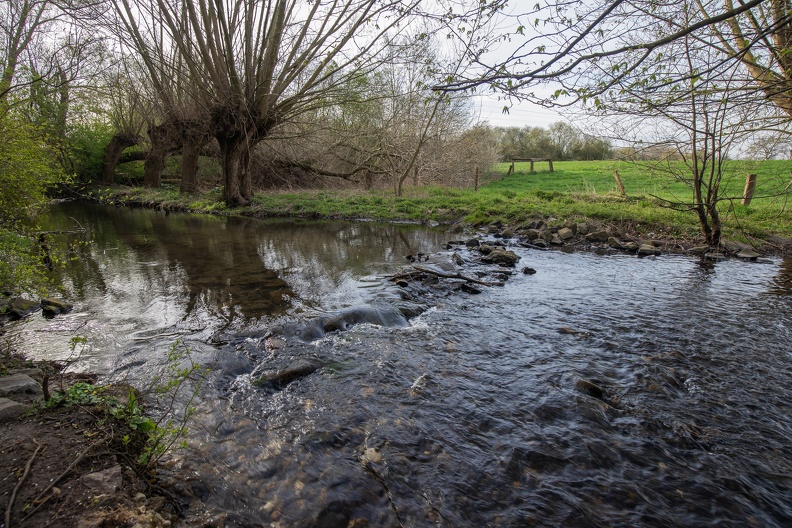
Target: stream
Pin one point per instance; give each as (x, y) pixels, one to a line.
(604, 390)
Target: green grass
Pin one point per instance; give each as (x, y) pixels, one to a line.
(575, 191)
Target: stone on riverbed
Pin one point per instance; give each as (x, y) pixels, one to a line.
(590, 388)
(469, 288)
(279, 379)
(631, 246)
(485, 249)
(733, 246)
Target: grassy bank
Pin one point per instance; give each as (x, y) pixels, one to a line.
(576, 190)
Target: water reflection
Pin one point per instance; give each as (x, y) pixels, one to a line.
(135, 273)
(227, 267)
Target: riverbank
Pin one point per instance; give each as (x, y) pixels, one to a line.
(65, 457)
(633, 219)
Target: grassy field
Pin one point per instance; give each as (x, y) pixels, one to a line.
(576, 190)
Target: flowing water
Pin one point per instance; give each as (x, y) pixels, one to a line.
(605, 390)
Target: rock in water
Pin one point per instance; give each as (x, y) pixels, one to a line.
(469, 288)
(648, 249)
(52, 307)
(590, 388)
(504, 257)
(278, 380)
(748, 254)
(19, 307)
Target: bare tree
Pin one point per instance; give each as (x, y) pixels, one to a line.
(583, 50)
(43, 38)
(252, 65)
(691, 126)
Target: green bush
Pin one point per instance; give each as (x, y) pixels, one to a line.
(28, 169)
(85, 149)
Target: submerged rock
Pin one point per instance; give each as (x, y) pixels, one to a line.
(469, 288)
(390, 316)
(279, 379)
(715, 255)
(590, 388)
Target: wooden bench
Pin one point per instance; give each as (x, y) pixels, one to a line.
(532, 160)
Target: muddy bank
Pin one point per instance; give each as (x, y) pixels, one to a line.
(70, 465)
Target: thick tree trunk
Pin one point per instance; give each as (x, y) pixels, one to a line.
(235, 162)
(194, 137)
(153, 166)
(189, 166)
(112, 155)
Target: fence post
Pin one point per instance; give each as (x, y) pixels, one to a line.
(476, 179)
(750, 187)
(619, 184)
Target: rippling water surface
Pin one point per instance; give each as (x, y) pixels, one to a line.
(601, 391)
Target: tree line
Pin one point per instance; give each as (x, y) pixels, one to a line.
(560, 141)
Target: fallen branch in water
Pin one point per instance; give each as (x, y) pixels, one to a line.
(19, 484)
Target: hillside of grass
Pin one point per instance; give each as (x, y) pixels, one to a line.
(574, 191)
